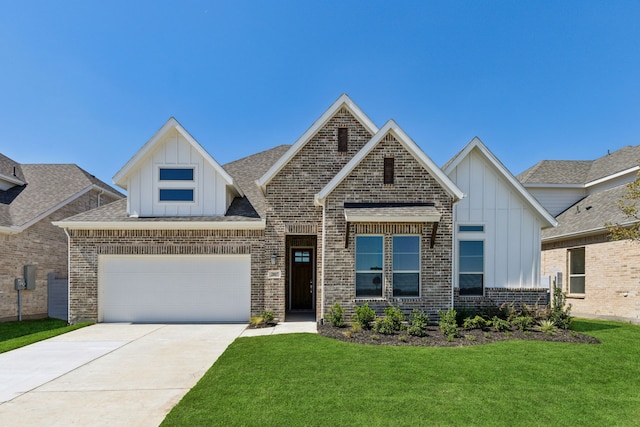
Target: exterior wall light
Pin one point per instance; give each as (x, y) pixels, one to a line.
(274, 258)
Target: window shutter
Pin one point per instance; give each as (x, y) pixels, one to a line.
(388, 170)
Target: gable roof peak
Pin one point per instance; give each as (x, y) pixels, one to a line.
(343, 101)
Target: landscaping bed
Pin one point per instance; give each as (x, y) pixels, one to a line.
(435, 338)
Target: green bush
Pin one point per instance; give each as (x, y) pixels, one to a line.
(268, 317)
(391, 322)
(418, 323)
(336, 315)
(364, 315)
(547, 326)
(560, 312)
(500, 325)
(384, 326)
(522, 322)
(448, 324)
(477, 322)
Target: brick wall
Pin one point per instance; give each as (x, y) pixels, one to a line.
(87, 245)
(612, 276)
(44, 246)
(495, 297)
(412, 184)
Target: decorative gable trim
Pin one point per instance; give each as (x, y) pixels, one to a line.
(343, 101)
(477, 144)
(120, 178)
(391, 127)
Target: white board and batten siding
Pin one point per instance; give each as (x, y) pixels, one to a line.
(512, 229)
(173, 150)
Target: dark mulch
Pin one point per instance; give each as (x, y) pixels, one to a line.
(435, 338)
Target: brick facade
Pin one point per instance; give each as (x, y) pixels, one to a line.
(612, 276)
(495, 297)
(44, 246)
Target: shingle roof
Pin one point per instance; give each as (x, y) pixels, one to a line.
(581, 171)
(47, 186)
(7, 166)
(589, 214)
(248, 169)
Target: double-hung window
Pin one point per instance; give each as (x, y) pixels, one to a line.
(471, 267)
(369, 266)
(406, 266)
(176, 184)
(576, 271)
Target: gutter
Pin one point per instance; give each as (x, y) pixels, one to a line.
(162, 225)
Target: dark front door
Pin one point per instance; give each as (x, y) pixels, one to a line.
(302, 279)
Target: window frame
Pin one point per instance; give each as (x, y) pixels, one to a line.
(571, 275)
(176, 185)
(381, 271)
(460, 273)
(394, 271)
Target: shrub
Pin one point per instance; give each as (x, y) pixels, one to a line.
(268, 317)
(402, 338)
(500, 325)
(336, 315)
(384, 326)
(364, 315)
(256, 321)
(523, 322)
(391, 322)
(418, 323)
(448, 324)
(547, 326)
(477, 322)
(560, 312)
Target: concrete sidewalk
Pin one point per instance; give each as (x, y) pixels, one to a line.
(114, 374)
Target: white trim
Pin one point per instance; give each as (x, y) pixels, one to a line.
(612, 176)
(391, 127)
(11, 179)
(479, 145)
(543, 185)
(120, 178)
(10, 230)
(342, 101)
(390, 218)
(582, 233)
(162, 225)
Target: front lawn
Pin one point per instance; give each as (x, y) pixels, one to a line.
(18, 334)
(305, 379)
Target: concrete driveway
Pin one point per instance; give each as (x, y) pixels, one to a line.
(108, 374)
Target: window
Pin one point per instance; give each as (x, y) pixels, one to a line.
(471, 267)
(576, 271)
(343, 138)
(471, 228)
(388, 170)
(406, 266)
(369, 263)
(302, 256)
(176, 174)
(176, 195)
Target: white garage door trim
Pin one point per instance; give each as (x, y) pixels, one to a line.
(174, 288)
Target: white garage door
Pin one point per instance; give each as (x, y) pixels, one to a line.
(174, 288)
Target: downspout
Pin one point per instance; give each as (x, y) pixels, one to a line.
(99, 197)
(68, 275)
(454, 255)
(323, 261)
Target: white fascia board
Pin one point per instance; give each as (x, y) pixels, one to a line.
(409, 145)
(613, 176)
(583, 233)
(11, 179)
(162, 225)
(476, 143)
(391, 218)
(545, 185)
(342, 101)
(10, 230)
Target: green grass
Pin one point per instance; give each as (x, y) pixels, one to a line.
(18, 334)
(304, 379)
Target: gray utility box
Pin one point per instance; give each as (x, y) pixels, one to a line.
(20, 284)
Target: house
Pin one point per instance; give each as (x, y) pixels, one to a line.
(349, 213)
(31, 196)
(599, 276)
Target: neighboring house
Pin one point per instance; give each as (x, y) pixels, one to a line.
(350, 213)
(601, 277)
(31, 196)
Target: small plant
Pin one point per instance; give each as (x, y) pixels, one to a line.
(347, 333)
(522, 322)
(256, 321)
(355, 327)
(402, 338)
(500, 325)
(336, 315)
(418, 323)
(470, 337)
(268, 317)
(364, 315)
(375, 337)
(487, 335)
(560, 312)
(477, 322)
(448, 324)
(384, 326)
(547, 327)
(391, 322)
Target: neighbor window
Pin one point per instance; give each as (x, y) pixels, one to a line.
(576, 271)
(176, 195)
(406, 266)
(369, 263)
(343, 138)
(388, 170)
(176, 174)
(471, 267)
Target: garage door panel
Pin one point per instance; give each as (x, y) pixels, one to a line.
(172, 288)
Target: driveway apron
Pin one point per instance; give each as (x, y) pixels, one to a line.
(108, 374)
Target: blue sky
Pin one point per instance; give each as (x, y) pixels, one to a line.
(89, 82)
